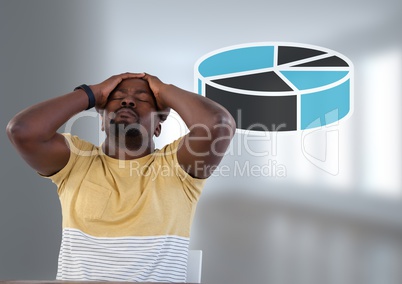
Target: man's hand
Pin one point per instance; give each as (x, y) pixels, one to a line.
(156, 86)
(103, 90)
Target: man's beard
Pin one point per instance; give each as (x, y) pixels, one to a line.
(125, 130)
(128, 136)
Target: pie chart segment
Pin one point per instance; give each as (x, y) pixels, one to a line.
(306, 79)
(258, 113)
(238, 60)
(317, 106)
(333, 61)
(263, 82)
(287, 54)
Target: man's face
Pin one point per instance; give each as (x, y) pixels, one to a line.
(131, 108)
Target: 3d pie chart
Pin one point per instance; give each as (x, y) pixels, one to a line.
(278, 86)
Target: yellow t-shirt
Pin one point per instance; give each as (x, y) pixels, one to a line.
(125, 220)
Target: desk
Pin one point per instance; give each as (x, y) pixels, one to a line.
(70, 282)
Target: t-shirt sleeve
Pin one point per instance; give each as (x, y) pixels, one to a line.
(192, 186)
(78, 148)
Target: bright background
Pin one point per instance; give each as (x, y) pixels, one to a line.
(329, 208)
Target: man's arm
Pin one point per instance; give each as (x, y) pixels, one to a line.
(211, 127)
(33, 131)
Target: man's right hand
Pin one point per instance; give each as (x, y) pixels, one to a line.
(103, 90)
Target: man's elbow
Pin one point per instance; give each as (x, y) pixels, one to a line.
(224, 124)
(18, 132)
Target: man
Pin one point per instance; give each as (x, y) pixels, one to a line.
(127, 207)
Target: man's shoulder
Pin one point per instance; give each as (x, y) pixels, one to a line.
(80, 146)
(170, 148)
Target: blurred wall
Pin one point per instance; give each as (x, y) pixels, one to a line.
(306, 226)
